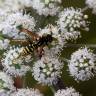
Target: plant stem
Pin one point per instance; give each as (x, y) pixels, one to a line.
(52, 88)
(24, 82)
(81, 45)
(65, 60)
(85, 8)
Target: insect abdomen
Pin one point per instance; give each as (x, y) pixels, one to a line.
(28, 49)
(45, 40)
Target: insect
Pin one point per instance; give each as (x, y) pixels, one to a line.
(34, 43)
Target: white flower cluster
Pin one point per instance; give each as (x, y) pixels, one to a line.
(13, 21)
(14, 65)
(54, 51)
(70, 21)
(82, 65)
(26, 92)
(9, 5)
(47, 69)
(3, 15)
(46, 7)
(6, 84)
(92, 4)
(14, 5)
(67, 92)
(4, 44)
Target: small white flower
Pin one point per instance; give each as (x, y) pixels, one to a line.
(46, 30)
(6, 84)
(46, 7)
(67, 92)
(70, 21)
(13, 65)
(47, 69)
(26, 92)
(4, 44)
(82, 64)
(50, 29)
(92, 4)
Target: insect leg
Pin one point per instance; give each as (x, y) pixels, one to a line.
(22, 42)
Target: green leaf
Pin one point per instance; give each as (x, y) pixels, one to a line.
(17, 66)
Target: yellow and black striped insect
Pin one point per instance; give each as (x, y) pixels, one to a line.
(34, 42)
